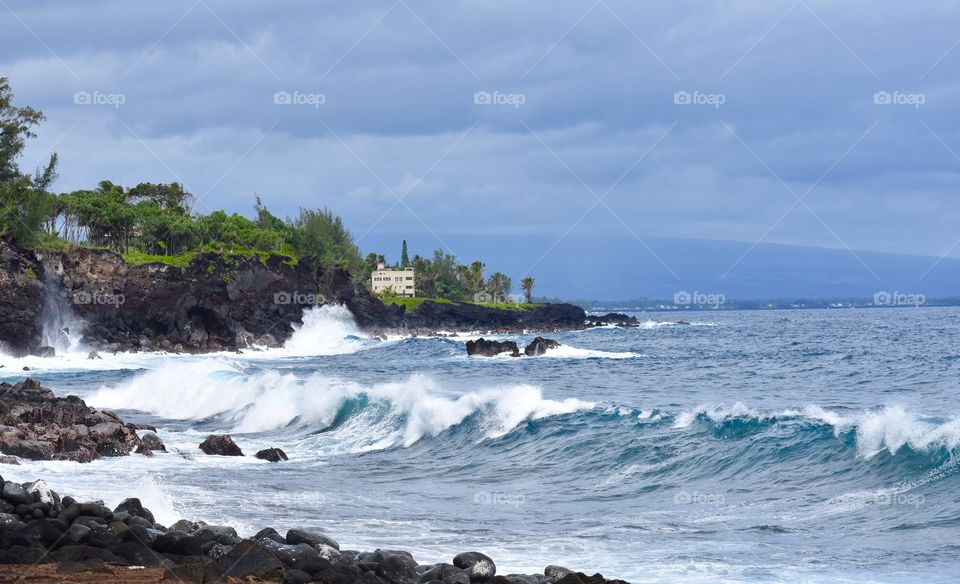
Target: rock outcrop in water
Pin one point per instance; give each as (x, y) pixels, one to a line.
(36, 425)
(39, 530)
(220, 444)
(484, 348)
(539, 346)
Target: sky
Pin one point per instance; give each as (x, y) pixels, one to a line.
(798, 122)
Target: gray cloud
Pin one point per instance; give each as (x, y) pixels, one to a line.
(398, 80)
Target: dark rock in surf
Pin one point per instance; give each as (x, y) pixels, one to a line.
(478, 566)
(484, 348)
(220, 444)
(272, 455)
(153, 442)
(539, 346)
(614, 318)
(46, 351)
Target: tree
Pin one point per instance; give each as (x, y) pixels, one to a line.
(527, 285)
(25, 203)
(404, 258)
(321, 238)
(499, 285)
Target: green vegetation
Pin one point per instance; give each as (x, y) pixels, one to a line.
(153, 223)
(415, 303)
(149, 223)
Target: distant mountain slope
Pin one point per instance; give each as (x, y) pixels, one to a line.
(621, 268)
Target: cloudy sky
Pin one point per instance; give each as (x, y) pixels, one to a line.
(803, 122)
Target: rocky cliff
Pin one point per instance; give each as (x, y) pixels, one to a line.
(215, 302)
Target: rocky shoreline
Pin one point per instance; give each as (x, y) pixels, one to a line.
(39, 527)
(48, 538)
(219, 302)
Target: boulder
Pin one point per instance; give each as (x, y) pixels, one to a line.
(135, 508)
(249, 559)
(478, 566)
(46, 351)
(539, 346)
(153, 442)
(446, 573)
(220, 444)
(272, 455)
(295, 536)
(484, 348)
(93, 355)
(37, 425)
(15, 494)
(397, 569)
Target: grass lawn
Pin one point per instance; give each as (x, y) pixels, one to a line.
(415, 303)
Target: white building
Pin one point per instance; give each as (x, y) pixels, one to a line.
(401, 281)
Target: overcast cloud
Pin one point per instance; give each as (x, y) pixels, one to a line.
(788, 110)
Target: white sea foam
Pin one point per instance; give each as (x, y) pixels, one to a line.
(390, 413)
(889, 428)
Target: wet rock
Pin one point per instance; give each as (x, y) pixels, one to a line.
(446, 573)
(556, 572)
(93, 355)
(4, 459)
(46, 351)
(484, 348)
(272, 455)
(220, 444)
(37, 425)
(249, 559)
(477, 565)
(15, 494)
(153, 442)
(539, 346)
(397, 569)
(134, 507)
(295, 536)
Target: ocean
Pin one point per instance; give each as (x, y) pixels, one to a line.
(759, 446)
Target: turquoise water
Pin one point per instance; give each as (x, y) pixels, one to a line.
(748, 446)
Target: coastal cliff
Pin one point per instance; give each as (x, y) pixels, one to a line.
(213, 302)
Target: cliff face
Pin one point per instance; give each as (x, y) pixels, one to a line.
(215, 303)
(21, 299)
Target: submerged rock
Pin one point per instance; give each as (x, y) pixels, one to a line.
(220, 444)
(485, 348)
(539, 346)
(272, 455)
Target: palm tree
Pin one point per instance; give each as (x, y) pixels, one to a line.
(527, 285)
